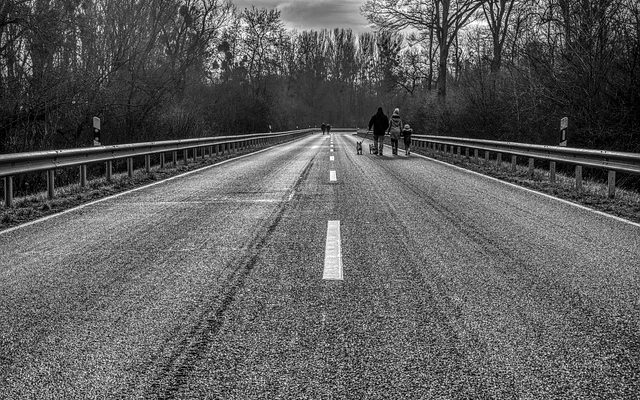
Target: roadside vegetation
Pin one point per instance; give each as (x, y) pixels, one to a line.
(172, 69)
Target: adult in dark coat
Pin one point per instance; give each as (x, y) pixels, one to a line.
(324, 127)
(379, 122)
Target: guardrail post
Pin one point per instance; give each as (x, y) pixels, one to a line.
(514, 162)
(499, 160)
(8, 191)
(612, 184)
(579, 178)
(210, 151)
(175, 158)
(51, 183)
(130, 167)
(83, 175)
(217, 150)
(531, 167)
(185, 156)
(466, 153)
(109, 170)
(486, 156)
(147, 163)
(476, 155)
(161, 160)
(552, 171)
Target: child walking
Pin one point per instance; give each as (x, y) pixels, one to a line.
(406, 134)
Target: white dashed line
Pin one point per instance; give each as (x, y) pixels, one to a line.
(332, 176)
(333, 253)
(332, 158)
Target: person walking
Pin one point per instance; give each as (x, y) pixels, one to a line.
(406, 135)
(379, 122)
(395, 129)
(324, 127)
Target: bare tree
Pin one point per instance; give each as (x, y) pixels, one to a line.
(445, 17)
(497, 14)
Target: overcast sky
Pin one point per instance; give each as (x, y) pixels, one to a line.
(314, 14)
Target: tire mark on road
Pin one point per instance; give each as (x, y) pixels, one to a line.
(174, 370)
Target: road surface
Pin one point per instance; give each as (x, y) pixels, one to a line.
(211, 285)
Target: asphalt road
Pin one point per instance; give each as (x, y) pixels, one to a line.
(210, 286)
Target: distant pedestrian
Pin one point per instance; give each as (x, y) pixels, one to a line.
(328, 129)
(379, 122)
(395, 130)
(324, 127)
(406, 134)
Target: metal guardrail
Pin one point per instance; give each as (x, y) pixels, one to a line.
(611, 161)
(21, 163)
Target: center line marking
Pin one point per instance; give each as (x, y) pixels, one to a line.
(332, 176)
(332, 158)
(333, 253)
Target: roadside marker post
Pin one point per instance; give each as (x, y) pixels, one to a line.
(564, 124)
(96, 131)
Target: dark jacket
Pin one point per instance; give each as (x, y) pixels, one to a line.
(379, 122)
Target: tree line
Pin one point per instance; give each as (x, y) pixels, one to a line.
(169, 69)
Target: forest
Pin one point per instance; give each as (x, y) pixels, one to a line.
(170, 69)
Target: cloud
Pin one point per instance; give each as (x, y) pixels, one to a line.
(315, 14)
